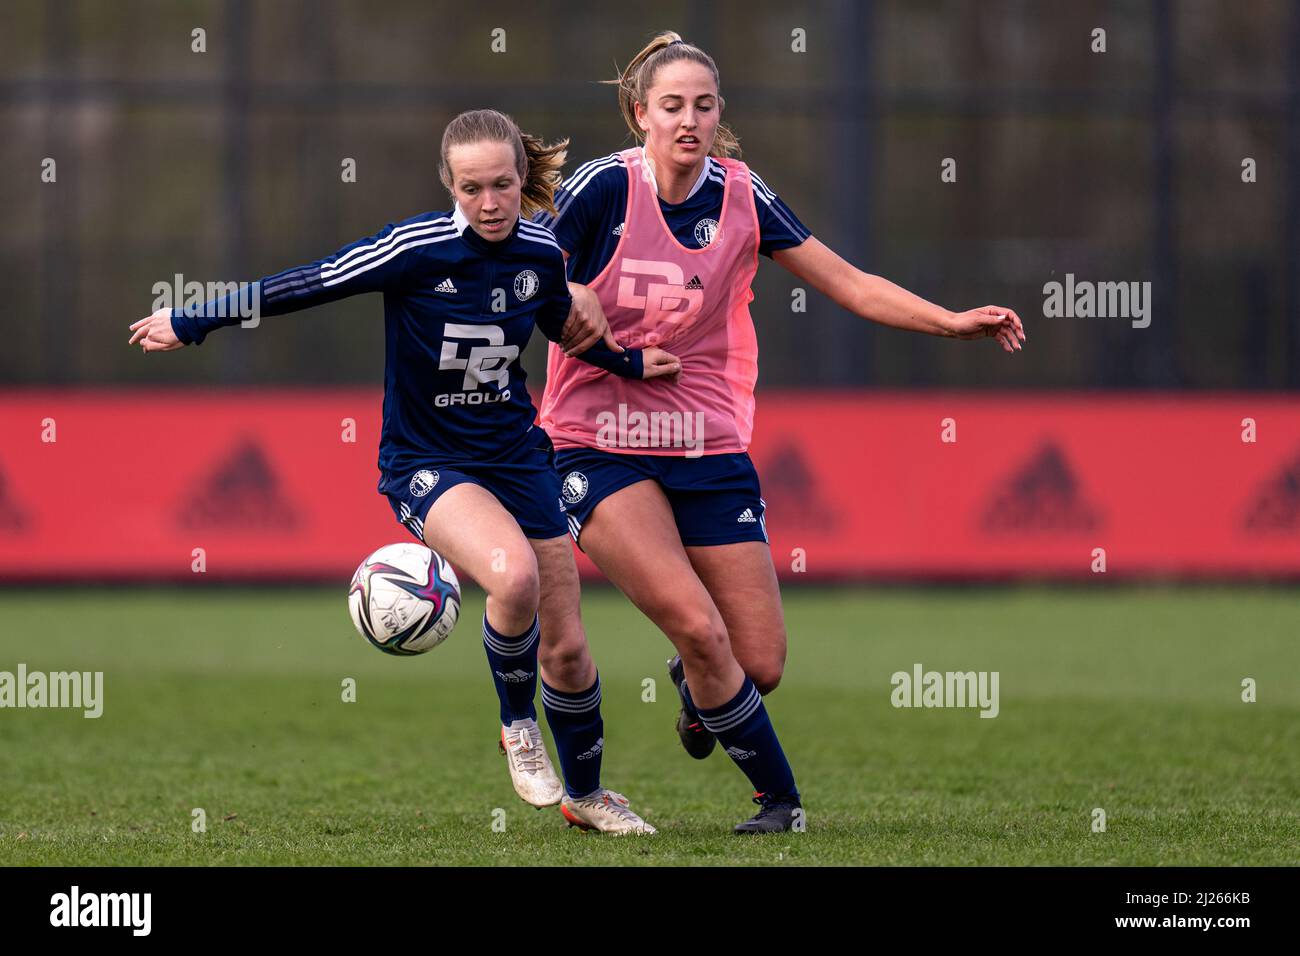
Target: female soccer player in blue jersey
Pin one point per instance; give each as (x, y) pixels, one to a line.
(461, 462)
(662, 242)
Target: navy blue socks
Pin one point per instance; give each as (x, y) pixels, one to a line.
(745, 732)
(514, 670)
(578, 730)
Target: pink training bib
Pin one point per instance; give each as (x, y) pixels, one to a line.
(692, 302)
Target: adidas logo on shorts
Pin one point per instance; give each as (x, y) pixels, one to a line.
(444, 286)
(618, 230)
(746, 516)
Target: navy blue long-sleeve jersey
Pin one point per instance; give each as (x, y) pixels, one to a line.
(458, 311)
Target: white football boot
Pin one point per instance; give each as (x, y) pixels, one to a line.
(605, 811)
(531, 772)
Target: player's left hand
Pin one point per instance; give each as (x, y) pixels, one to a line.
(992, 321)
(656, 363)
(154, 333)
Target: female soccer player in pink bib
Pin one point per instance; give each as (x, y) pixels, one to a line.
(662, 242)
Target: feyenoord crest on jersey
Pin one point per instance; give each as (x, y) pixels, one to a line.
(526, 283)
(574, 488)
(706, 230)
(423, 482)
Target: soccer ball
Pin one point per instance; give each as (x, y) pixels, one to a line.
(404, 599)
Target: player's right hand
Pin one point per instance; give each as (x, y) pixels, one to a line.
(154, 333)
(992, 321)
(656, 363)
(586, 324)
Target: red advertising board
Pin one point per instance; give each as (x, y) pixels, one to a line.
(125, 485)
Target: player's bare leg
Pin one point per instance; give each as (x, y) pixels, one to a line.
(469, 527)
(571, 696)
(632, 537)
(564, 655)
(741, 579)
(656, 575)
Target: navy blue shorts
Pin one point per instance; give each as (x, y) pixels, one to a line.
(715, 498)
(527, 487)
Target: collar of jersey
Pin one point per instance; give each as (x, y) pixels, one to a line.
(649, 167)
(477, 242)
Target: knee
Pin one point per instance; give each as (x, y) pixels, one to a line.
(766, 676)
(515, 584)
(700, 637)
(766, 669)
(566, 659)
(761, 649)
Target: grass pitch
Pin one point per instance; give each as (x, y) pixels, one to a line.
(1128, 700)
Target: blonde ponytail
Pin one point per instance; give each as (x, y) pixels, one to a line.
(635, 80)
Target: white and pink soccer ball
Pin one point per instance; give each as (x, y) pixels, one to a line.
(404, 599)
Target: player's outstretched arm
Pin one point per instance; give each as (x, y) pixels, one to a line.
(374, 264)
(880, 300)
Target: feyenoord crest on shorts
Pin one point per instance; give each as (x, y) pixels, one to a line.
(423, 482)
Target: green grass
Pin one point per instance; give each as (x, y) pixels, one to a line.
(230, 700)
